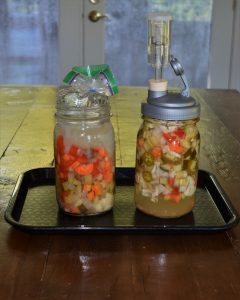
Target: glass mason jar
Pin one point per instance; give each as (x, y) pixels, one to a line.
(167, 158)
(84, 150)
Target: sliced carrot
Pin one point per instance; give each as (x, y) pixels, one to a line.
(96, 170)
(62, 175)
(75, 209)
(107, 166)
(60, 144)
(66, 157)
(174, 196)
(73, 150)
(176, 147)
(74, 165)
(156, 151)
(168, 137)
(108, 176)
(82, 159)
(102, 152)
(84, 169)
(97, 188)
(91, 195)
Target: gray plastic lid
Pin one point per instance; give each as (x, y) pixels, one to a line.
(171, 106)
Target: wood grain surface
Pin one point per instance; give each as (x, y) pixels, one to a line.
(116, 266)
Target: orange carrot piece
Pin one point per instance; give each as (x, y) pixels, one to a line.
(97, 188)
(156, 151)
(60, 144)
(73, 150)
(84, 169)
(107, 166)
(176, 147)
(82, 159)
(168, 137)
(91, 196)
(108, 176)
(62, 175)
(75, 209)
(66, 157)
(102, 152)
(173, 196)
(74, 165)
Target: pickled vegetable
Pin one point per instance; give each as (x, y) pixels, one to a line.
(166, 167)
(85, 178)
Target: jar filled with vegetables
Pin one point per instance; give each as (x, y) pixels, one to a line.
(168, 140)
(84, 152)
(167, 154)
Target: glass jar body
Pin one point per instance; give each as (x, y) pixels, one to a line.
(166, 167)
(85, 165)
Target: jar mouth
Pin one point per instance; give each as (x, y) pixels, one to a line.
(86, 114)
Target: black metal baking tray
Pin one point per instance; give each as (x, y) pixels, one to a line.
(33, 207)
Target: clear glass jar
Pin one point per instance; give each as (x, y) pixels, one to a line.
(84, 151)
(166, 167)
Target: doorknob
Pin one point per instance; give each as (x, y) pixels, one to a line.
(95, 16)
(94, 1)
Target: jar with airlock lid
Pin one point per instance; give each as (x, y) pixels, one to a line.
(84, 151)
(167, 156)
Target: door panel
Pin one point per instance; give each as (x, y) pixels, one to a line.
(93, 52)
(71, 35)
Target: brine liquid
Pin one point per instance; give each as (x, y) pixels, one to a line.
(164, 209)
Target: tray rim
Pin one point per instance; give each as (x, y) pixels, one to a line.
(233, 221)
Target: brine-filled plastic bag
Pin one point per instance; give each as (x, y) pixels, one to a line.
(94, 79)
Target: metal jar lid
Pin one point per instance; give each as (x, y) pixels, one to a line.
(171, 106)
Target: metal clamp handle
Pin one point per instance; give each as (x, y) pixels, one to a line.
(179, 71)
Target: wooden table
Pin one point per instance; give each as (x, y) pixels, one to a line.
(116, 266)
